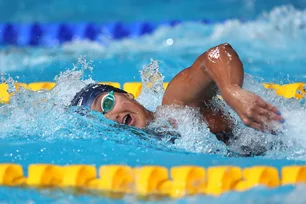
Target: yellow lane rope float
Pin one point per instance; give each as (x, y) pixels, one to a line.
(293, 90)
(144, 181)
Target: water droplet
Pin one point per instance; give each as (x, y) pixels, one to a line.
(170, 41)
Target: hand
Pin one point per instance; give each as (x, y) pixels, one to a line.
(252, 110)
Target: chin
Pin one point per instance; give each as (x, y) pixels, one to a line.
(143, 124)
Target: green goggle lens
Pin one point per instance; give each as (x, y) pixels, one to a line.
(108, 102)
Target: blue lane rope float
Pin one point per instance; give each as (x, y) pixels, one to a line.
(53, 34)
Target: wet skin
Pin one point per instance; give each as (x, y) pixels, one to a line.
(126, 110)
(219, 68)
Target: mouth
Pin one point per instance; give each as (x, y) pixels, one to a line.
(127, 120)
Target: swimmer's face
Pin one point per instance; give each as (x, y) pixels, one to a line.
(126, 110)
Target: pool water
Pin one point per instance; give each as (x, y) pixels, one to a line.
(135, 10)
(38, 128)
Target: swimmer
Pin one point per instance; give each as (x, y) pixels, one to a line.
(219, 68)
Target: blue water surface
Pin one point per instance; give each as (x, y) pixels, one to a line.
(269, 37)
(135, 10)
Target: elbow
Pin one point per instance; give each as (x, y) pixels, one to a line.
(223, 52)
(220, 51)
(225, 46)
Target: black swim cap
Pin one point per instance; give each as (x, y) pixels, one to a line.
(87, 95)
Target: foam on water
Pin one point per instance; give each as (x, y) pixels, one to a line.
(288, 143)
(153, 90)
(283, 29)
(195, 136)
(45, 115)
(27, 58)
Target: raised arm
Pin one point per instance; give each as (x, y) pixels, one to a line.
(220, 67)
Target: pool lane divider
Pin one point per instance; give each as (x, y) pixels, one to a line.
(53, 34)
(176, 182)
(293, 90)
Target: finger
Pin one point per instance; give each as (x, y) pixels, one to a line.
(257, 126)
(266, 113)
(267, 106)
(251, 123)
(271, 113)
(275, 114)
(261, 119)
(260, 102)
(276, 117)
(263, 111)
(271, 108)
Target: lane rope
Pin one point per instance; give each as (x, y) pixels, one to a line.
(54, 34)
(175, 182)
(293, 90)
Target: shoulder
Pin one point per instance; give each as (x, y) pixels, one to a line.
(175, 89)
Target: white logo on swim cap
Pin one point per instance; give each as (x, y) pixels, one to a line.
(80, 101)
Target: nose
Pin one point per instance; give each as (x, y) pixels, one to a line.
(116, 118)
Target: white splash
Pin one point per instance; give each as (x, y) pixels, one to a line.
(193, 133)
(152, 86)
(81, 46)
(43, 113)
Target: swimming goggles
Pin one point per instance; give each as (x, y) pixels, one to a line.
(108, 102)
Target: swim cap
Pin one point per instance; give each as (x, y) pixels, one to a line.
(87, 95)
